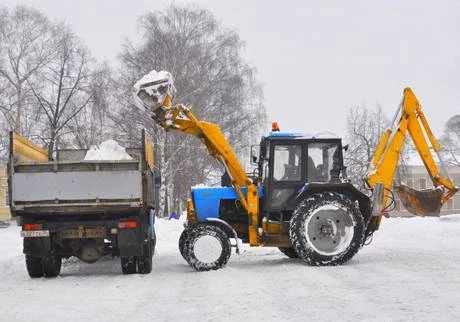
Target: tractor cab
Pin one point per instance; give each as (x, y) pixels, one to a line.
(289, 162)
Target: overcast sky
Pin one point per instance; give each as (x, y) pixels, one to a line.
(316, 59)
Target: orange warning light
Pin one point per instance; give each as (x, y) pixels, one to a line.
(275, 127)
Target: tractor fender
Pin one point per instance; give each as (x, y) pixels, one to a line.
(345, 188)
(228, 230)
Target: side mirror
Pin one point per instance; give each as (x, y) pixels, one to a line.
(255, 151)
(157, 179)
(345, 147)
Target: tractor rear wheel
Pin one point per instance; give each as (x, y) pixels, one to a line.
(289, 252)
(207, 247)
(326, 229)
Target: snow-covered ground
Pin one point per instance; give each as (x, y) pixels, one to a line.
(409, 273)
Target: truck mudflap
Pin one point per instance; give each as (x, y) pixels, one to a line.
(38, 246)
(129, 242)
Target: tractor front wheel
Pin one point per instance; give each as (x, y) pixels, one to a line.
(207, 247)
(182, 239)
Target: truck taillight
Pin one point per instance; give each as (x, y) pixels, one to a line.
(32, 227)
(127, 224)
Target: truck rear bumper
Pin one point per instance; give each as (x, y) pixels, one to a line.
(68, 238)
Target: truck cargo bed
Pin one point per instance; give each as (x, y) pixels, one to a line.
(62, 187)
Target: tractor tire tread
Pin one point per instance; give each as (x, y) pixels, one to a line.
(297, 229)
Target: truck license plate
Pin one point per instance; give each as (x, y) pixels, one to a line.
(35, 233)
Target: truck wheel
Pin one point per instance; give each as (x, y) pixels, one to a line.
(34, 266)
(207, 248)
(128, 265)
(326, 229)
(51, 266)
(183, 237)
(144, 263)
(289, 252)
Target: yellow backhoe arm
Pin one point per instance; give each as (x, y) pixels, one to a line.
(388, 151)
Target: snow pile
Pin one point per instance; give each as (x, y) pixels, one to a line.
(155, 76)
(107, 150)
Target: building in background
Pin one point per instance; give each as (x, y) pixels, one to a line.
(417, 178)
(5, 213)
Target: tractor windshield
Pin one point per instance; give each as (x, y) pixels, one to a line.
(324, 162)
(287, 165)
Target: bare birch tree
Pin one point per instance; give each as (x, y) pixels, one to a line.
(64, 88)
(211, 77)
(364, 128)
(91, 125)
(450, 141)
(27, 45)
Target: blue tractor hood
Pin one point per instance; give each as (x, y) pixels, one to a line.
(207, 199)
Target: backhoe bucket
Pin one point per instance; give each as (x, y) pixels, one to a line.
(421, 202)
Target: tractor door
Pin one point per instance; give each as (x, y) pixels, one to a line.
(286, 173)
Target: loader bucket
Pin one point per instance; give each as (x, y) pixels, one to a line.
(425, 202)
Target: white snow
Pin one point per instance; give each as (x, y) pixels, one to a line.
(202, 186)
(409, 273)
(325, 135)
(151, 83)
(154, 76)
(107, 150)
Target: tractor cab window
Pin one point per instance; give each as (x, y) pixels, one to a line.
(324, 162)
(287, 164)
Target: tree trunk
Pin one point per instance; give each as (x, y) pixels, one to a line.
(51, 144)
(17, 122)
(162, 165)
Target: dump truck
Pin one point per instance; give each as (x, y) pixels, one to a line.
(67, 206)
(299, 198)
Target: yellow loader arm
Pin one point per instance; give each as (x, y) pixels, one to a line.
(154, 94)
(386, 156)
